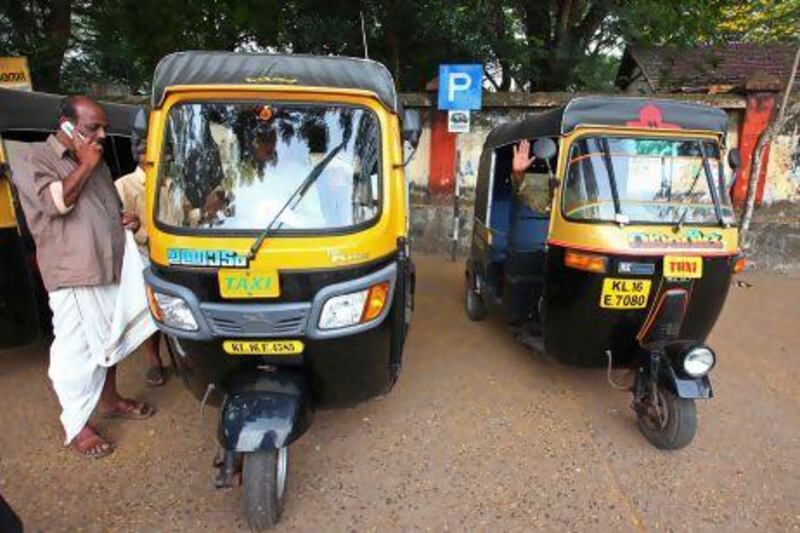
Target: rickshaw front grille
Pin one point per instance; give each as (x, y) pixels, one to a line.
(256, 320)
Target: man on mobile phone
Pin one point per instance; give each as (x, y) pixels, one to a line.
(76, 219)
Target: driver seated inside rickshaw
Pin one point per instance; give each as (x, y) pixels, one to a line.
(532, 198)
(238, 166)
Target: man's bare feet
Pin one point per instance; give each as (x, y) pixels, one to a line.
(88, 443)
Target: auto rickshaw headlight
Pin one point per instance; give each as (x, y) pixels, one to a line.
(343, 310)
(171, 311)
(354, 308)
(698, 361)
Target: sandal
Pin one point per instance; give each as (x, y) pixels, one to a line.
(130, 410)
(89, 444)
(155, 376)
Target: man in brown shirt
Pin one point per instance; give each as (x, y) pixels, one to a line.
(75, 217)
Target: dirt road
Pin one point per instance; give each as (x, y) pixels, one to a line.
(479, 434)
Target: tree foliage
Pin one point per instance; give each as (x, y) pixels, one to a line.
(524, 44)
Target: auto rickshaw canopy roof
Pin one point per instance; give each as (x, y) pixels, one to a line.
(224, 68)
(610, 111)
(35, 111)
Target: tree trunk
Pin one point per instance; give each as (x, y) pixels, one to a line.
(763, 141)
(47, 44)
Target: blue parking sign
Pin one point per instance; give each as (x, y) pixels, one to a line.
(460, 86)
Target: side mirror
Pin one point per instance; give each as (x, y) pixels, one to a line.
(5, 170)
(545, 148)
(412, 126)
(140, 124)
(734, 158)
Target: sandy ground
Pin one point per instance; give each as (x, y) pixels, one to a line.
(478, 434)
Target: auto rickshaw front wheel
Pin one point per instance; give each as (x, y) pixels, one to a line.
(264, 475)
(667, 421)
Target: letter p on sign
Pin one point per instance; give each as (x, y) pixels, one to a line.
(460, 87)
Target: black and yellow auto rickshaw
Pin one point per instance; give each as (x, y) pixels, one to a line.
(27, 118)
(621, 249)
(280, 266)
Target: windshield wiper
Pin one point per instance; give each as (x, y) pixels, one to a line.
(293, 200)
(703, 168)
(612, 178)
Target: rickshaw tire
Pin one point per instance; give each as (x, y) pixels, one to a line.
(262, 503)
(681, 426)
(473, 304)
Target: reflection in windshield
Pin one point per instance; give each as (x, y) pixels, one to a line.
(657, 180)
(232, 166)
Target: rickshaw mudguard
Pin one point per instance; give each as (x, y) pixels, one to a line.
(681, 385)
(266, 411)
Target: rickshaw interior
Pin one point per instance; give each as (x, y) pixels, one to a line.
(518, 232)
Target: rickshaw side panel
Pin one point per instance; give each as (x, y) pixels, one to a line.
(19, 323)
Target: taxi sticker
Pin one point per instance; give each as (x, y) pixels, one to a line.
(683, 267)
(248, 283)
(282, 347)
(625, 293)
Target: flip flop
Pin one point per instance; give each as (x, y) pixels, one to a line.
(133, 411)
(155, 376)
(92, 447)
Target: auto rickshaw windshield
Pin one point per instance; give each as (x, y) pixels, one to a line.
(654, 180)
(234, 166)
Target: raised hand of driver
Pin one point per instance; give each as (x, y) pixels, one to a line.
(521, 161)
(89, 153)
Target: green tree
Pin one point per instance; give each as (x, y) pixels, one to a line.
(41, 30)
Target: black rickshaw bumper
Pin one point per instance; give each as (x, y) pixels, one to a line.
(341, 367)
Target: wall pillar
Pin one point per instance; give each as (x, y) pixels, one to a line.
(761, 103)
(442, 164)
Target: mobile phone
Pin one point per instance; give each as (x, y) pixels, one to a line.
(69, 129)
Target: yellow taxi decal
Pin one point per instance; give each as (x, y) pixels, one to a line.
(683, 267)
(248, 283)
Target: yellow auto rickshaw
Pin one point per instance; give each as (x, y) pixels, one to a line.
(617, 248)
(280, 268)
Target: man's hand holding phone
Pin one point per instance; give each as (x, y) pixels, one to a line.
(89, 153)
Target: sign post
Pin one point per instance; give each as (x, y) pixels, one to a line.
(14, 73)
(460, 90)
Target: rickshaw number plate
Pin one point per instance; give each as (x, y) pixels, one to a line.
(248, 283)
(263, 347)
(625, 293)
(676, 266)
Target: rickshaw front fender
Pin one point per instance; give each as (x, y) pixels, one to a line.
(266, 411)
(681, 385)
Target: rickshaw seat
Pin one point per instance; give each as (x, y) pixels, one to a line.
(500, 225)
